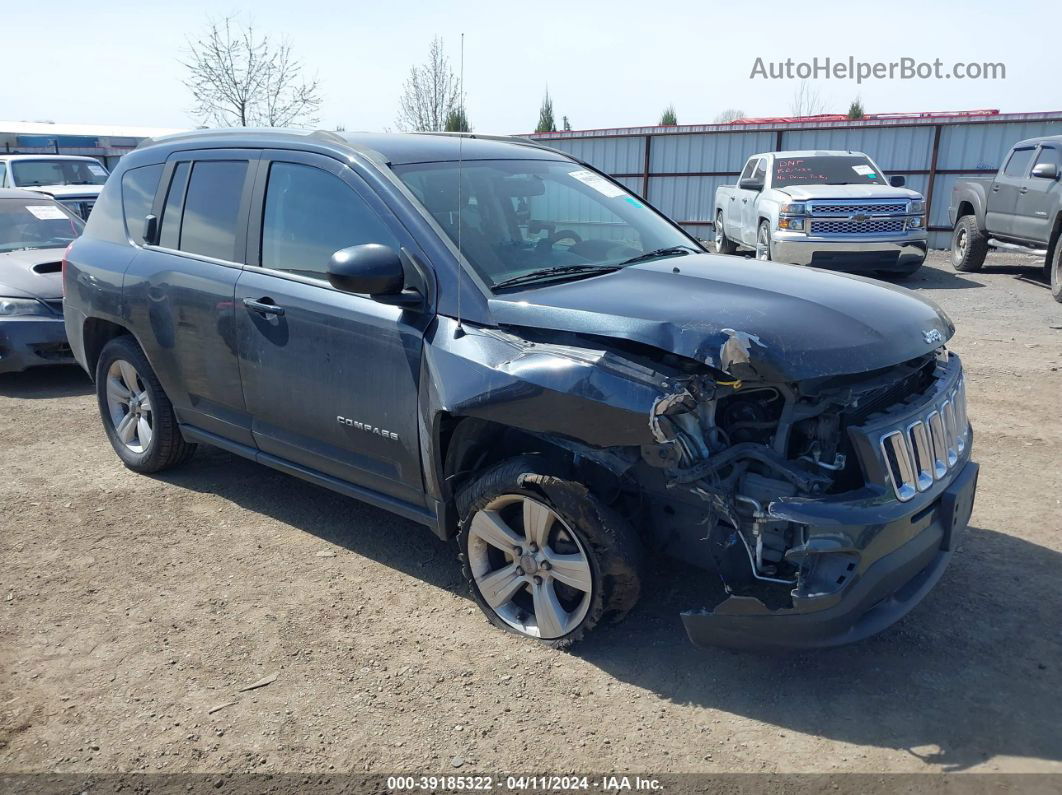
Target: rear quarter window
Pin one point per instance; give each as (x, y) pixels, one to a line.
(138, 193)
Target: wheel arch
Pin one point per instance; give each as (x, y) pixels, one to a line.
(96, 333)
(465, 446)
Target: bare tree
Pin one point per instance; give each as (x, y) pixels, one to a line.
(807, 101)
(729, 115)
(239, 78)
(430, 94)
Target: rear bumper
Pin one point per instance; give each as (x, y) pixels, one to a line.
(31, 342)
(853, 254)
(881, 594)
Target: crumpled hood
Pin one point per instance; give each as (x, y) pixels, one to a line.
(803, 192)
(754, 320)
(18, 279)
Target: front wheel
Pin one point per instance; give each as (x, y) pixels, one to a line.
(1056, 271)
(543, 556)
(763, 241)
(137, 416)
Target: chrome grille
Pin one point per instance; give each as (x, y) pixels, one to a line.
(855, 208)
(868, 227)
(927, 448)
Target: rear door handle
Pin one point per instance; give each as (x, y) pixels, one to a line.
(1024, 190)
(264, 306)
(995, 188)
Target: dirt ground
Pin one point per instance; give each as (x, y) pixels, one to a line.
(133, 607)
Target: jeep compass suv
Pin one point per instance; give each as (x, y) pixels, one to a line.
(495, 340)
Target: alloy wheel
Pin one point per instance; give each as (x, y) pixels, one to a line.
(763, 243)
(129, 406)
(719, 234)
(961, 241)
(529, 566)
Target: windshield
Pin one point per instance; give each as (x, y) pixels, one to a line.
(31, 173)
(520, 216)
(831, 170)
(29, 224)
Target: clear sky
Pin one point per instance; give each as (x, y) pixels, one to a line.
(606, 63)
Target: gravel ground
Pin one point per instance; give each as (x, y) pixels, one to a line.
(134, 609)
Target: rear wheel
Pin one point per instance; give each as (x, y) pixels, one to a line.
(723, 244)
(543, 556)
(969, 246)
(137, 416)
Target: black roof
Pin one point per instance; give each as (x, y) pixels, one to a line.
(394, 148)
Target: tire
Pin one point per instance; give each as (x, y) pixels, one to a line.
(969, 246)
(599, 549)
(127, 386)
(763, 242)
(723, 244)
(1055, 271)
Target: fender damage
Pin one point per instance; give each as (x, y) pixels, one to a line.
(774, 483)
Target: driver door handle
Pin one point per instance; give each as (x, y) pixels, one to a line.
(264, 306)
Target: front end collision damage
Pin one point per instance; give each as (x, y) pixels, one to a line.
(758, 482)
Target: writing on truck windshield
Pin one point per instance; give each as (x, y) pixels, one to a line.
(837, 170)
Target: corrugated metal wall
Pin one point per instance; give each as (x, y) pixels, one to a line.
(685, 167)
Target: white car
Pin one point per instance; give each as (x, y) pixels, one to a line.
(828, 209)
(71, 179)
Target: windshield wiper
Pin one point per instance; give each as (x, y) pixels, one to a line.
(547, 274)
(667, 251)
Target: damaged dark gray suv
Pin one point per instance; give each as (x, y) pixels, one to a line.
(497, 341)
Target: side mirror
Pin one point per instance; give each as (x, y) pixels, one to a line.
(897, 180)
(750, 184)
(1045, 171)
(369, 269)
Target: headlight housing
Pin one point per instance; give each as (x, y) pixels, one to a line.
(918, 208)
(15, 307)
(794, 208)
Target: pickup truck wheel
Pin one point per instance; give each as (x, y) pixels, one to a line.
(763, 241)
(969, 246)
(543, 556)
(723, 244)
(1056, 271)
(137, 416)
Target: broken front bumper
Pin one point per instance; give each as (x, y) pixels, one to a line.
(878, 593)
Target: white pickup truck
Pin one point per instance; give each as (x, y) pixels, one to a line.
(826, 209)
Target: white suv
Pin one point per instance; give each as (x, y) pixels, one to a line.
(75, 181)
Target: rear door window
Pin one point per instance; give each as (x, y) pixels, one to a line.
(210, 221)
(1018, 165)
(138, 193)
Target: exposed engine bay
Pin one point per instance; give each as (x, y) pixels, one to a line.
(740, 447)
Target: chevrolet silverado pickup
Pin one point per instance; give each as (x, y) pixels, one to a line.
(827, 209)
(496, 340)
(1020, 208)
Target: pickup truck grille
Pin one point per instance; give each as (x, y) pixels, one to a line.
(871, 226)
(926, 448)
(857, 208)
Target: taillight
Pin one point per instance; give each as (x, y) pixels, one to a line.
(63, 268)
